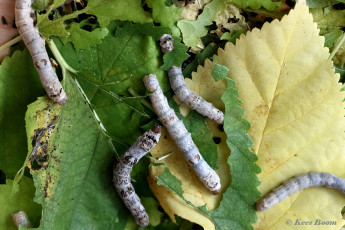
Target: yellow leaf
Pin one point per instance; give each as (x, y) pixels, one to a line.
(291, 97)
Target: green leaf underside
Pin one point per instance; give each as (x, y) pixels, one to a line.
(104, 10)
(201, 135)
(18, 88)
(254, 4)
(243, 191)
(175, 57)
(21, 201)
(76, 185)
(193, 30)
(117, 64)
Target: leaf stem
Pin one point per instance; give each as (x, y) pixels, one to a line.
(59, 57)
(10, 43)
(337, 47)
(143, 101)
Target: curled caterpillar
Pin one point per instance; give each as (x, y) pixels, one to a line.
(36, 46)
(20, 218)
(180, 135)
(183, 92)
(312, 179)
(122, 170)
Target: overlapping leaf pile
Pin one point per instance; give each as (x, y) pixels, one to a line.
(288, 89)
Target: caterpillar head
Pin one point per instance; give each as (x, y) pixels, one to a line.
(167, 43)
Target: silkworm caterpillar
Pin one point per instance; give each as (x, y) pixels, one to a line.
(36, 46)
(20, 218)
(122, 170)
(183, 92)
(180, 135)
(312, 179)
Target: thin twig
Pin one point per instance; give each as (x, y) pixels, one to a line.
(10, 43)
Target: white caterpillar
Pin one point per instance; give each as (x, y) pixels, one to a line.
(312, 179)
(35, 45)
(180, 135)
(122, 170)
(20, 218)
(183, 92)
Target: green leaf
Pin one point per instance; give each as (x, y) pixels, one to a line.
(111, 72)
(163, 14)
(175, 57)
(74, 183)
(19, 86)
(315, 3)
(243, 191)
(193, 30)
(231, 37)
(331, 37)
(104, 10)
(147, 29)
(199, 59)
(21, 201)
(254, 4)
(170, 181)
(41, 5)
(83, 39)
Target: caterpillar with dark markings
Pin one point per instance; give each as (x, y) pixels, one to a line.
(36, 46)
(122, 171)
(312, 179)
(180, 135)
(183, 92)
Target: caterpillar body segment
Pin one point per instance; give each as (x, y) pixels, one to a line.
(122, 171)
(20, 218)
(183, 92)
(180, 135)
(312, 179)
(36, 47)
(186, 95)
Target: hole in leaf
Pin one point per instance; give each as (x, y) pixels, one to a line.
(339, 6)
(2, 177)
(216, 140)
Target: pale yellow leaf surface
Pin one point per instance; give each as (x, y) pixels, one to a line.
(291, 97)
(203, 84)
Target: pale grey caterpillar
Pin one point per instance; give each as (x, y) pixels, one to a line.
(312, 179)
(20, 218)
(122, 170)
(180, 135)
(183, 92)
(36, 45)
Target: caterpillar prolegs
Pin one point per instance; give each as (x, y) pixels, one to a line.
(122, 171)
(36, 46)
(180, 135)
(183, 92)
(312, 179)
